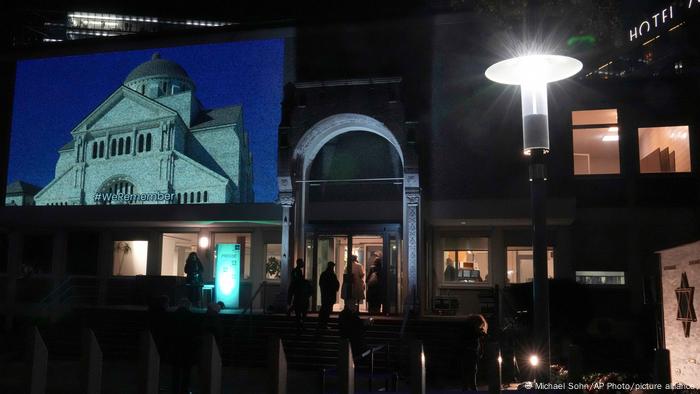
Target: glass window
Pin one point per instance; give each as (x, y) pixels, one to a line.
(464, 260)
(596, 142)
(600, 277)
(243, 239)
(129, 258)
(176, 248)
(664, 149)
(519, 262)
(273, 261)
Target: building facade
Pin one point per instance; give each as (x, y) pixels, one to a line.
(152, 141)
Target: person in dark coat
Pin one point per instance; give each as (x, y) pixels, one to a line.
(375, 292)
(474, 338)
(194, 281)
(329, 290)
(301, 291)
(297, 274)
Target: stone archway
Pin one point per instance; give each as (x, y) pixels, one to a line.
(298, 163)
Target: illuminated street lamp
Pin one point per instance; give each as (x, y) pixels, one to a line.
(532, 73)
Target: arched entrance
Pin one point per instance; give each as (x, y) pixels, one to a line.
(395, 240)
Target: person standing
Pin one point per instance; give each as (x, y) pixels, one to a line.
(358, 283)
(297, 275)
(374, 287)
(329, 289)
(301, 292)
(450, 271)
(474, 337)
(194, 281)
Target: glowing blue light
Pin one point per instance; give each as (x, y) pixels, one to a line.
(228, 265)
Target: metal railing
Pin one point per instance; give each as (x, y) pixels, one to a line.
(249, 309)
(390, 377)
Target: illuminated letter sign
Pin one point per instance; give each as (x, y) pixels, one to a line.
(657, 20)
(228, 268)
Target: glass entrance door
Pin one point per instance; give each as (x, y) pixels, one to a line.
(381, 247)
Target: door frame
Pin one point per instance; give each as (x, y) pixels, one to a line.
(387, 231)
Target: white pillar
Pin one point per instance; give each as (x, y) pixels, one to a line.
(149, 371)
(346, 368)
(91, 361)
(277, 366)
(38, 364)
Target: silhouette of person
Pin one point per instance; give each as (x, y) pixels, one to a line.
(329, 289)
(474, 337)
(194, 270)
(375, 297)
(450, 271)
(183, 345)
(301, 291)
(297, 274)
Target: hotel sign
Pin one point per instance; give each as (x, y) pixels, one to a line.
(658, 20)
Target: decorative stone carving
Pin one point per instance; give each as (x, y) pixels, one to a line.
(286, 199)
(325, 130)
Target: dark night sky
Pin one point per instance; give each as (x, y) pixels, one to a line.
(53, 95)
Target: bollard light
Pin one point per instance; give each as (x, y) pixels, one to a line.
(534, 360)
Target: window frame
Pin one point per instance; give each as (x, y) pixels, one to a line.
(620, 151)
(528, 247)
(439, 253)
(657, 124)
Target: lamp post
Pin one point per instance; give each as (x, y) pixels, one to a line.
(532, 73)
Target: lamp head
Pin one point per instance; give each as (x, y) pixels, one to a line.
(533, 69)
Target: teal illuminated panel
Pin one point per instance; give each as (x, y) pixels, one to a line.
(228, 269)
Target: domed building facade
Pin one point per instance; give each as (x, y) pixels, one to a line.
(151, 141)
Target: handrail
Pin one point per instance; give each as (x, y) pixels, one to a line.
(59, 288)
(249, 308)
(369, 353)
(252, 299)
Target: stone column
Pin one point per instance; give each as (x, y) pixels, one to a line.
(287, 201)
(411, 231)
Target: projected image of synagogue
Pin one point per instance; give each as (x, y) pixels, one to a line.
(152, 135)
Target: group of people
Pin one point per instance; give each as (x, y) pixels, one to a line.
(356, 288)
